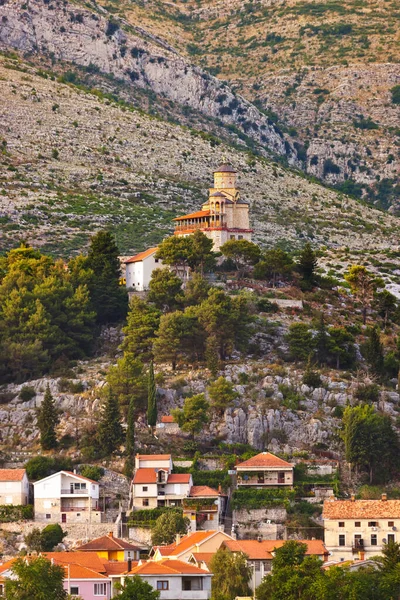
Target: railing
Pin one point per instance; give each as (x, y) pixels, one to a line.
(79, 509)
(73, 491)
(357, 546)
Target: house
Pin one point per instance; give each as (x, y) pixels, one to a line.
(224, 216)
(264, 470)
(14, 487)
(111, 548)
(155, 485)
(139, 269)
(167, 425)
(191, 543)
(204, 506)
(261, 552)
(174, 579)
(66, 497)
(360, 528)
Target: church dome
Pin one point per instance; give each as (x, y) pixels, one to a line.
(225, 168)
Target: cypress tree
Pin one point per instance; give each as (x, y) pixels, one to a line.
(307, 263)
(373, 349)
(152, 399)
(130, 432)
(321, 341)
(110, 428)
(48, 420)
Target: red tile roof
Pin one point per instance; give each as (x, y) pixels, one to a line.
(195, 215)
(141, 256)
(361, 509)
(205, 557)
(80, 477)
(153, 456)
(107, 542)
(179, 478)
(202, 491)
(114, 567)
(145, 475)
(256, 550)
(187, 542)
(12, 474)
(264, 459)
(90, 560)
(167, 566)
(167, 419)
(225, 168)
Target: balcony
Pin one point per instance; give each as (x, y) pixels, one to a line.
(358, 546)
(74, 492)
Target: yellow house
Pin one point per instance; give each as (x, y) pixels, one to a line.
(112, 548)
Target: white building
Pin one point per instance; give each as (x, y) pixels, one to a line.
(66, 497)
(14, 487)
(204, 507)
(154, 484)
(264, 470)
(139, 268)
(359, 528)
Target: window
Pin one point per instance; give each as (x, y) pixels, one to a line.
(391, 538)
(341, 523)
(145, 488)
(390, 523)
(1, 589)
(74, 590)
(374, 539)
(162, 585)
(100, 589)
(256, 565)
(357, 524)
(240, 237)
(48, 516)
(145, 502)
(210, 517)
(372, 523)
(232, 237)
(267, 566)
(342, 540)
(156, 260)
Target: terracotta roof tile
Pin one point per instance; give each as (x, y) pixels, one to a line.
(202, 491)
(167, 419)
(80, 477)
(190, 540)
(256, 550)
(145, 475)
(12, 474)
(203, 557)
(179, 478)
(195, 215)
(7, 565)
(264, 459)
(107, 542)
(167, 566)
(225, 168)
(90, 560)
(78, 572)
(361, 509)
(141, 256)
(153, 456)
(114, 567)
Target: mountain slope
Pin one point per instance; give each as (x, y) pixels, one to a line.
(74, 162)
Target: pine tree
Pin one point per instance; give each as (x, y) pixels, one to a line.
(130, 432)
(152, 399)
(321, 341)
(48, 420)
(373, 350)
(110, 428)
(308, 263)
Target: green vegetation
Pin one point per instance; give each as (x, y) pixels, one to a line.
(13, 513)
(248, 498)
(167, 526)
(37, 578)
(45, 540)
(231, 574)
(136, 588)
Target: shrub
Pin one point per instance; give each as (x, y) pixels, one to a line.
(368, 392)
(312, 379)
(395, 94)
(112, 27)
(92, 472)
(27, 393)
(291, 398)
(331, 167)
(12, 513)
(39, 467)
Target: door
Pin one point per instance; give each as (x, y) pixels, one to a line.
(281, 477)
(63, 518)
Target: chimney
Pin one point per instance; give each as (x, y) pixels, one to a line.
(259, 539)
(129, 565)
(111, 535)
(219, 489)
(384, 497)
(177, 538)
(353, 498)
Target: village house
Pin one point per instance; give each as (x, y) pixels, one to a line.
(155, 485)
(261, 552)
(167, 425)
(204, 507)
(14, 487)
(139, 268)
(191, 543)
(264, 470)
(174, 579)
(224, 216)
(360, 528)
(110, 548)
(66, 497)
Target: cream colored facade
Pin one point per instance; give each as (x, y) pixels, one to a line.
(225, 216)
(358, 529)
(14, 487)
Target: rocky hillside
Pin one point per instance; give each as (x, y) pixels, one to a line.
(74, 161)
(324, 70)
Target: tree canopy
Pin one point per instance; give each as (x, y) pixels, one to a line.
(231, 575)
(167, 526)
(36, 578)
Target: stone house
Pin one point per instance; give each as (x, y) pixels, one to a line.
(204, 507)
(66, 497)
(360, 528)
(14, 487)
(264, 470)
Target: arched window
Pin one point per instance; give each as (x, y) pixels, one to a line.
(217, 207)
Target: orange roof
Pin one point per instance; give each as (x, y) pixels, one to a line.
(203, 557)
(89, 560)
(167, 419)
(12, 474)
(153, 456)
(108, 542)
(141, 256)
(167, 567)
(78, 572)
(263, 550)
(202, 490)
(195, 215)
(179, 478)
(187, 542)
(7, 565)
(361, 509)
(114, 567)
(264, 459)
(147, 475)
(80, 477)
